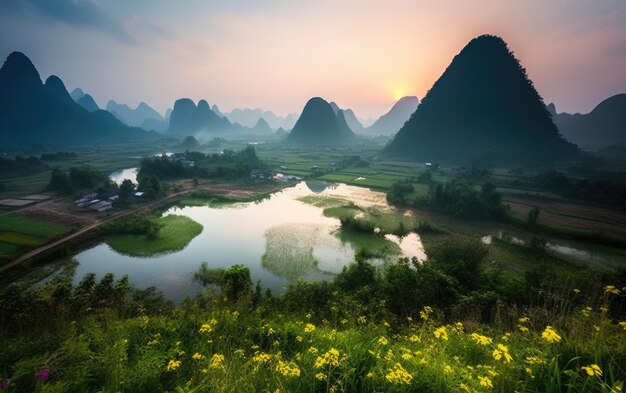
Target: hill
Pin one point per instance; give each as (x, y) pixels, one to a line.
(318, 124)
(32, 112)
(87, 102)
(605, 125)
(483, 109)
(188, 119)
(392, 121)
(133, 117)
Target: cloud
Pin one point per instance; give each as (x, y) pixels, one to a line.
(78, 14)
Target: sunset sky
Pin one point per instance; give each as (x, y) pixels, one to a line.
(277, 54)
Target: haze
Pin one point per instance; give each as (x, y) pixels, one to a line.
(275, 55)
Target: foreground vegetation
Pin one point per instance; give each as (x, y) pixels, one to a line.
(450, 324)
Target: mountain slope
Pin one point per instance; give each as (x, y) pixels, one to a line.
(482, 109)
(392, 121)
(133, 117)
(189, 119)
(605, 125)
(318, 124)
(32, 112)
(87, 102)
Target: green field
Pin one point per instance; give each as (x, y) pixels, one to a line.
(19, 234)
(176, 232)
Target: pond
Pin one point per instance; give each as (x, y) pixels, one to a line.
(280, 239)
(120, 175)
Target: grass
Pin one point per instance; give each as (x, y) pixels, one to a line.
(176, 232)
(18, 234)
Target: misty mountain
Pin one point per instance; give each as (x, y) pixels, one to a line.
(392, 121)
(318, 124)
(217, 111)
(605, 125)
(350, 117)
(87, 102)
(133, 117)
(262, 126)
(33, 112)
(188, 119)
(483, 109)
(248, 118)
(77, 94)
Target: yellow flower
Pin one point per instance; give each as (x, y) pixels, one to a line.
(382, 341)
(313, 350)
(369, 375)
(361, 319)
(299, 339)
(344, 321)
(447, 369)
(617, 388)
(441, 333)
(331, 358)
(529, 371)
(534, 360)
(240, 352)
(482, 340)
(502, 352)
(622, 324)
(458, 326)
(409, 319)
(288, 369)
(586, 311)
(407, 356)
(506, 336)
(386, 324)
(426, 311)
(550, 335)
(399, 375)
(217, 361)
(576, 291)
(261, 357)
(611, 290)
(465, 388)
(522, 328)
(485, 381)
(523, 320)
(592, 370)
(197, 356)
(208, 327)
(309, 328)
(414, 338)
(320, 376)
(173, 365)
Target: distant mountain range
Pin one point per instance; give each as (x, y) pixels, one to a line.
(320, 125)
(87, 102)
(604, 126)
(189, 119)
(248, 117)
(45, 113)
(392, 121)
(482, 110)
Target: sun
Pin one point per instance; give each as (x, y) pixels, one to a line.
(398, 93)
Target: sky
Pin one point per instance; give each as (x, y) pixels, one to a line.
(274, 54)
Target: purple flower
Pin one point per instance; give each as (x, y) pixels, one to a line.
(43, 374)
(4, 383)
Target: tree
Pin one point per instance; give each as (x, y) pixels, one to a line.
(59, 181)
(127, 189)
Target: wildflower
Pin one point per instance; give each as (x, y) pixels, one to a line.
(313, 350)
(217, 361)
(320, 376)
(522, 328)
(208, 327)
(299, 339)
(506, 336)
(331, 358)
(399, 375)
(617, 388)
(173, 365)
(309, 328)
(586, 311)
(465, 388)
(197, 356)
(386, 324)
(261, 357)
(4, 383)
(458, 326)
(529, 371)
(270, 331)
(523, 320)
(485, 381)
(441, 333)
(502, 352)
(576, 291)
(288, 369)
(414, 338)
(622, 324)
(369, 375)
(447, 369)
(344, 321)
(550, 335)
(426, 311)
(240, 352)
(482, 340)
(361, 319)
(611, 290)
(407, 356)
(592, 370)
(308, 316)
(382, 341)
(534, 360)
(389, 354)
(43, 374)
(409, 319)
